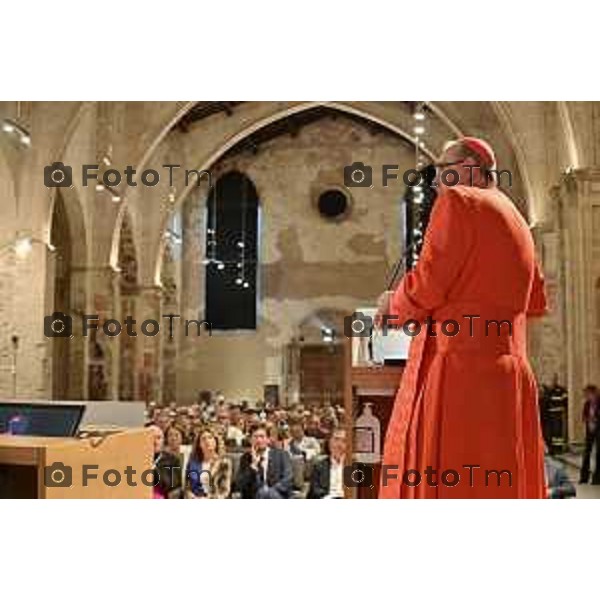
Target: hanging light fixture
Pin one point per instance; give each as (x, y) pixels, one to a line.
(241, 278)
(417, 192)
(114, 193)
(15, 129)
(210, 255)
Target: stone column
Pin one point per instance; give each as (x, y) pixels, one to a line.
(29, 299)
(191, 297)
(148, 355)
(78, 347)
(580, 203)
(129, 347)
(103, 350)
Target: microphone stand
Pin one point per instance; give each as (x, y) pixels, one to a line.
(399, 267)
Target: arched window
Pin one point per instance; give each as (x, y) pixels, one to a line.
(231, 253)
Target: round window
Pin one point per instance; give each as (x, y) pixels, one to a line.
(333, 204)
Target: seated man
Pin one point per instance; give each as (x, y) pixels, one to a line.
(559, 484)
(232, 435)
(307, 446)
(264, 473)
(327, 474)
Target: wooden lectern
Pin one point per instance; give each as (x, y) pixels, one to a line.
(377, 385)
(27, 465)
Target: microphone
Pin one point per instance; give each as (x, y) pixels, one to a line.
(399, 266)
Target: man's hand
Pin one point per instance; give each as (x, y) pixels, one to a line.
(255, 459)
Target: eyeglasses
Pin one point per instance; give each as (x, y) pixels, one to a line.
(449, 164)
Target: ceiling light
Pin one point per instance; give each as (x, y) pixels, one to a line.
(23, 246)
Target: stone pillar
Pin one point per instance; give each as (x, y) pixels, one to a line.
(547, 336)
(169, 342)
(129, 348)
(32, 378)
(149, 372)
(78, 348)
(169, 348)
(103, 350)
(580, 204)
(191, 297)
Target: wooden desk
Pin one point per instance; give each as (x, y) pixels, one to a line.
(23, 462)
(377, 385)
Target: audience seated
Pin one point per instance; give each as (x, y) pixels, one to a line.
(264, 472)
(302, 444)
(208, 473)
(167, 469)
(212, 449)
(326, 480)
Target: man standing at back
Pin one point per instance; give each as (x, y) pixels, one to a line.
(465, 422)
(591, 419)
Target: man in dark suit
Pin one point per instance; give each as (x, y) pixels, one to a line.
(591, 420)
(326, 479)
(264, 472)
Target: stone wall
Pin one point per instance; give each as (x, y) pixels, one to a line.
(308, 264)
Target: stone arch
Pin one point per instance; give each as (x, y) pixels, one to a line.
(222, 146)
(371, 112)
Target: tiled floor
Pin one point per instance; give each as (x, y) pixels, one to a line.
(572, 462)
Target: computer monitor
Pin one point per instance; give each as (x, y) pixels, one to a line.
(44, 419)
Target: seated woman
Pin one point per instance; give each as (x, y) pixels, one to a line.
(208, 473)
(167, 468)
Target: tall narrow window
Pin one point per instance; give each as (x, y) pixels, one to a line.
(232, 253)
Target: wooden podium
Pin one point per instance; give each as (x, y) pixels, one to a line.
(28, 465)
(377, 385)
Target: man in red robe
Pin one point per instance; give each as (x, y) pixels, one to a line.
(465, 422)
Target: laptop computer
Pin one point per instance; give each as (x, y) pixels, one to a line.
(41, 418)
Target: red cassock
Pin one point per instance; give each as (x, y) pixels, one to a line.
(468, 403)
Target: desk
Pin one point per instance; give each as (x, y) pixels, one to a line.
(23, 460)
(377, 385)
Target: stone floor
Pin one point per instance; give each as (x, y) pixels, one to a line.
(572, 462)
